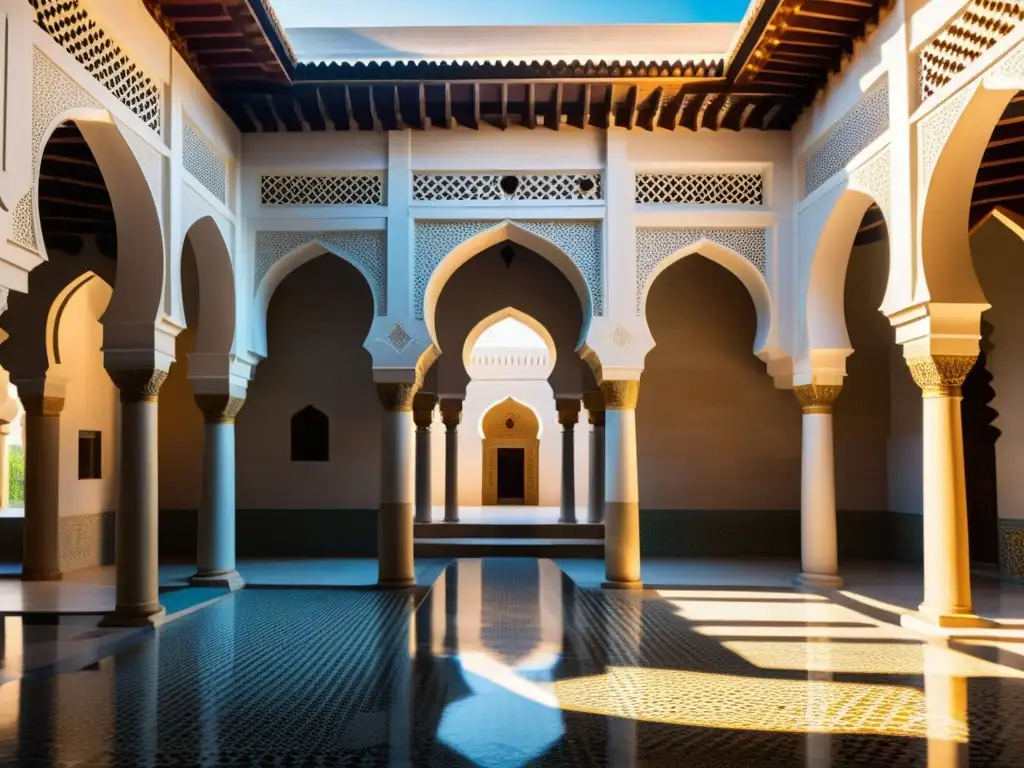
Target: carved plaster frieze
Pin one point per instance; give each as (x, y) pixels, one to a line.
(579, 239)
(620, 395)
(219, 408)
(817, 398)
(940, 375)
(935, 129)
(397, 396)
(868, 120)
(653, 246)
(1011, 549)
(874, 178)
(366, 250)
(202, 161)
(194, 207)
(398, 339)
(139, 385)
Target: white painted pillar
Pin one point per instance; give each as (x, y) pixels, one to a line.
(395, 516)
(947, 576)
(622, 492)
(819, 549)
(568, 415)
(423, 414)
(138, 599)
(594, 403)
(451, 415)
(5, 467)
(41, 552)
(215, 545)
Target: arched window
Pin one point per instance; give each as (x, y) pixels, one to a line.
(310, 435)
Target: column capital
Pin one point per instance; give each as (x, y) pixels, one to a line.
(568, 411)
(219, 409)
(940, 375)
(451, 412)
(817, 398)
(594, 403)
(138, 385)
(423, 404)
(397, 396)
(620, 395)
(41, 405)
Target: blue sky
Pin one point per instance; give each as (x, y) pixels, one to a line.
(394, 13)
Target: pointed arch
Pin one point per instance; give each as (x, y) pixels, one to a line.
(58, 308)
(493, 235)
(216, 327)
(739, 265)
(502, 314)
(532, 427)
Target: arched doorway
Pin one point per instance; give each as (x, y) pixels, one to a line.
(511, 454)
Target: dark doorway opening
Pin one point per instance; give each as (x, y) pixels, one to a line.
(511, 475)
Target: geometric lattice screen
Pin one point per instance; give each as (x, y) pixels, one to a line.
(203, 163)
(700, 188)
(428, 187)
(326, 189)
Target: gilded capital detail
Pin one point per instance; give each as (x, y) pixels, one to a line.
(568, 411)
(817, 398)
(219, 409)
(451, 413)
(396, 396)
(38, 405)
(941, 375)
(594, 403)
(620, 395)
(423, 409)
(139, 386)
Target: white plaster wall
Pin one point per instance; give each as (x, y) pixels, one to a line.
(91, 403)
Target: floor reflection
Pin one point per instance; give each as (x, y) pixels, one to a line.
(507, 663)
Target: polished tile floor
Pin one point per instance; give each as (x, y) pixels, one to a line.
(509, 662)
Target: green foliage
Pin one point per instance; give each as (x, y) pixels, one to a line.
(16, 465)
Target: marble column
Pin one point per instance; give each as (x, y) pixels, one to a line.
(622, 492)
(397, 494)
(819, 551)
(423, 414)
(137, 599)
(41, 557)
(5, 467)
(947, 575)
(215, 545)
(451, 415)
(594, 403)
(568, 416)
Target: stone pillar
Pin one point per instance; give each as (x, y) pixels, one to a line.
(5, 467)
(41, 557)
(947, 576)
(138, 599)
(594, 403)
(622, 492)
(395, 517)
(819, 552)
(215, 545)
(422, 414)
(451, 415)
(568, 415)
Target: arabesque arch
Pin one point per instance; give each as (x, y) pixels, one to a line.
(508, 312)
(216, 327)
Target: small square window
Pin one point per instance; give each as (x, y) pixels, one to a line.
(89, 455)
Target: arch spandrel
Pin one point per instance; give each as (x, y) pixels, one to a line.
(217, 313)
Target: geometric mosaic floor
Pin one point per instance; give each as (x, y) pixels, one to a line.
(507, 663)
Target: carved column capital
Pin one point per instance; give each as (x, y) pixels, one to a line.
(568, 411)
(423, 409)
(139, 385)
(451, 413)
(219, 409)
(594, 403)
(40, 405)
(817, 398)
(620, 395)
(396, 396)
(940, 375)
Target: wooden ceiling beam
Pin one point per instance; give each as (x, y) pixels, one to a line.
(630, 107)
(530, 120)
(554, 118)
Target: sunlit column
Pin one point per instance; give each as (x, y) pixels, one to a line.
(397, 494)
(5, 467)
(138, 600)
(41, 556)
(451, 415)
(819, 553)
(622, 492)
(947, 578)
(423, 414)
(594, 403)
(215, 544)
(568, 416)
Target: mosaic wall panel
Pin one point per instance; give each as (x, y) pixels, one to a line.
(496, 186)
(653, 246)
(69, 24)
(868, 120)
(982, 24)
(366, 250)
(700, 188)
(327, 189)
(580, 240)
(1011, 549)
(205, 165)
(86, 540)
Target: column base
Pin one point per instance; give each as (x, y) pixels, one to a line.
(951, 619)
(451, 519)
(569, 520)
(396, 583)
(819, 580)
(622, 585)
(42, 576)
(231, 579)
(135, 616)
(961, 626)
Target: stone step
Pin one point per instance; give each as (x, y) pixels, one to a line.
(509, 530)
(508, 547)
